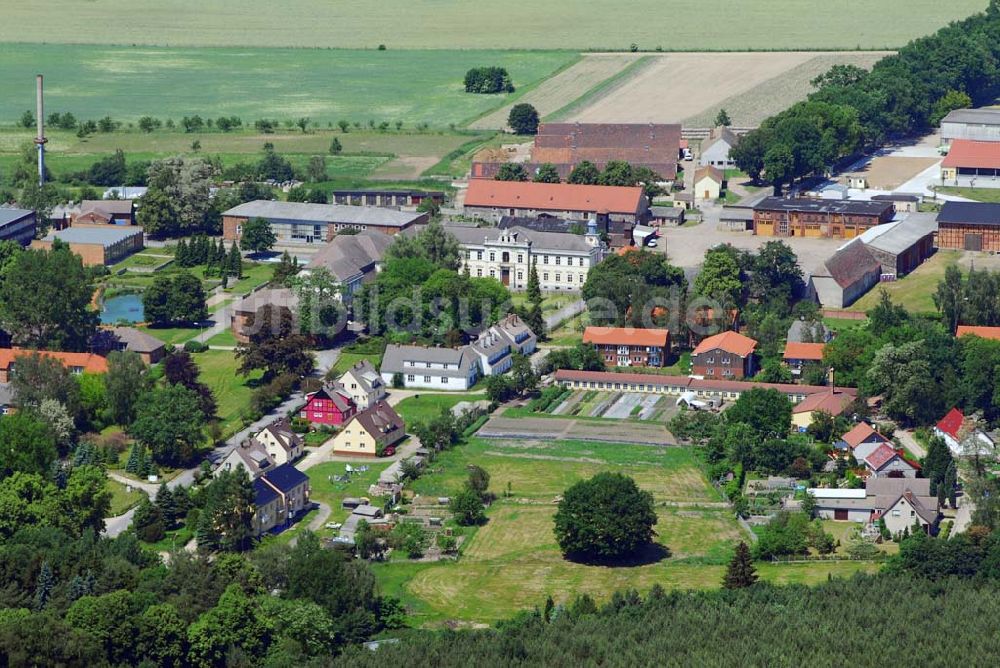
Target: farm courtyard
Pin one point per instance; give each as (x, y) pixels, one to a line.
(513, 561)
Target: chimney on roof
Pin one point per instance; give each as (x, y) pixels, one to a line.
(833, 385)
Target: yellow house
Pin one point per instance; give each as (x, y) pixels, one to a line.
(833, 401)
(370, 432)
(708, 183)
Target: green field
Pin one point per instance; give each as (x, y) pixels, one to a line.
(977, 194)
(122, 500)
(324, 85)
(473, 24)
(915, 291)
(426, 406)
(513, 562)
(232, 391)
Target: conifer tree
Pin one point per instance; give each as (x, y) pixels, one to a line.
(165, 502)
(533, 293)
(235, 261)
(43, 586)
(740, 572)
(134, 460)
(180, 254)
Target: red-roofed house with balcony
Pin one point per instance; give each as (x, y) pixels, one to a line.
(331, 405)
(725, 355)
(954, 428)
(491, 200)
(885, 462)
(630, 346)
(967, 160)
(798, 355)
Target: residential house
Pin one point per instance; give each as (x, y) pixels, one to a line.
(715, 150)
(666, 215)
(832, 400)
(708, 183)
(148, 347)
(303, 223)
(972, 226)
(728, 355)
(280, 496)
(799, 355)
(352, 259)
(370, 432)
(493, 353)
(562, 260)
(862, 440)
(282, 444)
(106, 212)
(431, 368)
(330, 405)
(972, 163)
(900, 502)
(970, 125)
(363, 384)
(245, 310)
(806, 217)
(77, 363)
(251, 455)
(629, 346)
(845, 276)
(491, 200)
(17, 225)
(885, 462)
(522, 339)
(802, 331)
(904, 202)
(97, 245)
(963, 435)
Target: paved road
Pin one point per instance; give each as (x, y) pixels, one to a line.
(553, 319)
(910, 443)
(316, 522)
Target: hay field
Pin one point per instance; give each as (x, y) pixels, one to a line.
(324, 85)
(680, 86)
(749, 108)
(476, 24)
(564, 88)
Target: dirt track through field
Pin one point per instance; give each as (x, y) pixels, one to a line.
(679, 86)
(563, 88)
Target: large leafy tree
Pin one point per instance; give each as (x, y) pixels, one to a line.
(226, 522)
(720, 278)
(546, 173)
(433, 243)
(258, 235)
(767, 412)
(39, 377)
(512, 171)
(26, 445)
(949, 298)
(605, 518)
(235, 623)
(178, 298)
(585, 173)
(523, 119)
(631, 288)
(274, 345)
(902, 374)
(180, 198)
(169, 421)
(125, 381)
(180, 369)
(45, 300)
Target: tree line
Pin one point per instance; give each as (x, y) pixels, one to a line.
(853, 109)
(615, 173)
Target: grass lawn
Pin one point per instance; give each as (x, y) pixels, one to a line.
(570, 332)
(174, 539)
(977, 194)
(841, 531)
(843, 324)
(552, 301)
(223, 338)
(324, 489)
(174, 335)
(323, 85)
(513, 562)
(231, 390)
(455, 24)
(121, 499)
(347, 360)
(914, 291)
(254, 274)
(423, 407)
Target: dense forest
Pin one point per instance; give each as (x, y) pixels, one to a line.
(903, 95)
(867, 620)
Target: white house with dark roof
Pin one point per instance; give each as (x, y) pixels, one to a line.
(364, 384)
(845, 276)
(352, 259)
(715, 150)
(282, 444)
(431, 367)
(900, 502)
(250, 455)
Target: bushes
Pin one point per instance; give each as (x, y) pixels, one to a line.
(194, 346)
(267, 397)
(550, 396)
(488, 80)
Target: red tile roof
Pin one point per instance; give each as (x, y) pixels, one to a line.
(729, 341)
(859, 434)
(831, 401)
(88, 362)
(553, 196)
(630, 336)
(880, 456)
(804, 351)
(951, 423)
(982, 332)
(968, 153)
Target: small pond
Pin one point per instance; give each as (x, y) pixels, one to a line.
(122, 307)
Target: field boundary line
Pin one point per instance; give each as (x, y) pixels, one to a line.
(602, 89)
